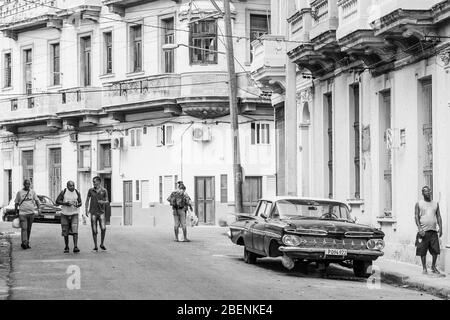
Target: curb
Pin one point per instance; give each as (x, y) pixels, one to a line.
(5, 266)
(405, 281)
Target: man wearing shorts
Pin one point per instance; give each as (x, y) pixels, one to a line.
(26, 204)
(428, 218)
(96, 201)
(70, 201)
(180, 202)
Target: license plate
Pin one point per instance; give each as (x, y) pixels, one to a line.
(336, 252)
(48, 216)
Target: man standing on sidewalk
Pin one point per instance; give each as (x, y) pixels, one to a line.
(70, 201)
(428, 218)
(97, 198)
(26, 203)
(180, 202)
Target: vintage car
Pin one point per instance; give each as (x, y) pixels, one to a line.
(307, 230)
(48, 211)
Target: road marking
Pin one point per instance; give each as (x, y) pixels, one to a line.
(56, 260)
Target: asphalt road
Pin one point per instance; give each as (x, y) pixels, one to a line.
(145, 263)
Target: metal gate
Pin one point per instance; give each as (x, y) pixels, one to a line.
(127, 203)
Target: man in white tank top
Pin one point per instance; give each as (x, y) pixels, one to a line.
(429, 224)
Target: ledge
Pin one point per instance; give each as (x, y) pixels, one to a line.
(386, 220)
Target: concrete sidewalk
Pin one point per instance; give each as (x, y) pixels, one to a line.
(410, 276)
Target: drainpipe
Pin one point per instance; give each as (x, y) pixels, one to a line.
(181, 151)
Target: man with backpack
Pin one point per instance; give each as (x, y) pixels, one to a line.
(70, 201)
(180, 202)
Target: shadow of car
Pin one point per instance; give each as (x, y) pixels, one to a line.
(49, 211)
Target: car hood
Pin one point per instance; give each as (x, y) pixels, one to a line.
(331, 227)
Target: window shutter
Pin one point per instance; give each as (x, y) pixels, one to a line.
(160, 136)
(169, 135)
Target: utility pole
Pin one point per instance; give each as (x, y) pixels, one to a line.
(232, 85)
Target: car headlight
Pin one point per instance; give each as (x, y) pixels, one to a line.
(375, 244)
(291, 240)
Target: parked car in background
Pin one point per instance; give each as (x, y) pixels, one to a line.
(48, 212)
(307, 230)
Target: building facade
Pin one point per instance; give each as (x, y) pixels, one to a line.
(135, 92)
(361, 95)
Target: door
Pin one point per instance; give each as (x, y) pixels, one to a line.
(251, 193)
(7, 186)
(259, 226)
(55, 173)
(204, 200)
(127, 203)
(107, 185)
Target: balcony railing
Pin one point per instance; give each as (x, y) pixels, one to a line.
(29, 108)
(353, 16)
(141, 90)
(270, 52)
(381, 8)
(79, 100)
(325, 17)
(17, 11)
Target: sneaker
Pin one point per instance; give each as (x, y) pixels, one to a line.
(76, 250)
(424, 272)
(24, 246)
(66, 250)
(186, 240)
(95, 249)
(28, 246)
(102, 247)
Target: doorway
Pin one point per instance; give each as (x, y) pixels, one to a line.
(55, 173)
(204, 200)
(128, 203)
(106, 181)
(251, 193)
(7, 186)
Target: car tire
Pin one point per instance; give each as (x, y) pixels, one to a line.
(362, 269)
(249, 257)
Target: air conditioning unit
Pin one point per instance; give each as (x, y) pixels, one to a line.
(117, 143)
(202, 134)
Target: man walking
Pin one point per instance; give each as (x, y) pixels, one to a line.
(70, 201)
(180, 202)
(26, 203)
(428, 218)
(96, 201)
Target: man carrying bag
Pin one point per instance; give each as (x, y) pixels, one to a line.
(26, 203)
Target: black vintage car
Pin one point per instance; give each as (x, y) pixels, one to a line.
(307, 230)
(48, 211)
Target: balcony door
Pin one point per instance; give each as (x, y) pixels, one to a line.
(55, 173)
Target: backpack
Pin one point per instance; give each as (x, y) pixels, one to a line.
(180, 200)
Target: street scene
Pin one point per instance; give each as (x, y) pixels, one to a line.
(224, 149)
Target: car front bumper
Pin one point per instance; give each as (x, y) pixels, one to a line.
(319, 254)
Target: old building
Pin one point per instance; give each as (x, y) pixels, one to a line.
(361, 95)
(137, 93)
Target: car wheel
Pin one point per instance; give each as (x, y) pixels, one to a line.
(249, 257)
(362, 269)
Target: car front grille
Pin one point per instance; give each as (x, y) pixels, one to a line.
(315, 242)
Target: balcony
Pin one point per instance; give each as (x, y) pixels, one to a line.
(300, 24)
(80, 104)
(29, 110)
(153, 93)
(353, 16)
(325, 22)
(19, 15)
(269, 62)
(381, 8)
(119, 6)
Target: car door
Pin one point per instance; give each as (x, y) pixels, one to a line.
(248, 231)
(259, 226)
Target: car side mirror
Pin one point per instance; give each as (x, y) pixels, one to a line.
(355, 220)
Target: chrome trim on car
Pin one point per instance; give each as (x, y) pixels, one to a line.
(322, 250)
(358, 234)
(308, 232)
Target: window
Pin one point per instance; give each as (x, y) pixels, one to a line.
(223, 188)
(138, 192)
(55, 64)
(8, 72)
(136, 48)
(204, 38)
(259, 26)
(108, 62)
(260, 133)
(13, 104)
(135, 137)
(85, 46)
(28, 76)
(355, 134)
(328, 134)
(160, 189)
(164, 135)
(169, 37)
(84, 156)
(27, 165)
(105, 156)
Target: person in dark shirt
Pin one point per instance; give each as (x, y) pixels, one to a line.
(96, 201)
(180, 202)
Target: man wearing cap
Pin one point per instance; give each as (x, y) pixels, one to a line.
(428, 218)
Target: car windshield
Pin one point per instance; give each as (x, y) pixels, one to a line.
(45, 200)
(304, 209)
